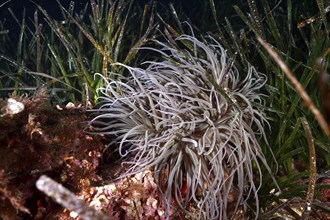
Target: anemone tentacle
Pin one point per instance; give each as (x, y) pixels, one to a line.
(170, 118)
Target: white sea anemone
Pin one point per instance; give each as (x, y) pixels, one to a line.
(191, 119)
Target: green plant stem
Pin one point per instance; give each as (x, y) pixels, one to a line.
(307, 100)
(312, 169)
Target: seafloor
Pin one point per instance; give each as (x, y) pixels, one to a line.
(44, 139)
(48, 140)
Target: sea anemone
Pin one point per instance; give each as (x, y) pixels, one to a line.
(193, 120)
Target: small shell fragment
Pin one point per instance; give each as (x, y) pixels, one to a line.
(59, 107)
(13, 107)
(70, 105)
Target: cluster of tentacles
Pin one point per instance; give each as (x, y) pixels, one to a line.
(191, 119)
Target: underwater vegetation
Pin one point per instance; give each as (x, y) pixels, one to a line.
(223, 118)
(80, 44)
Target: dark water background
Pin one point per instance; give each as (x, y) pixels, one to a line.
(52, 7)
(28, 8)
